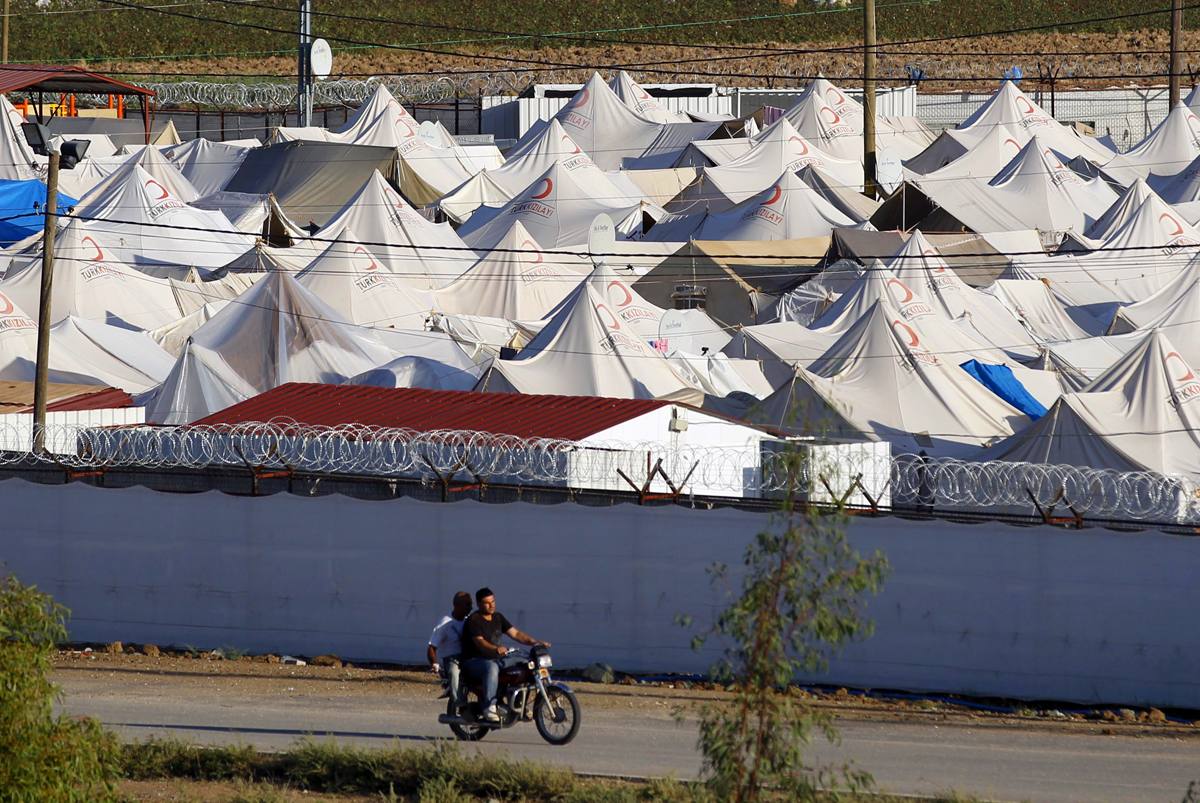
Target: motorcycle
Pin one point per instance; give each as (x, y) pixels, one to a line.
(526, 692)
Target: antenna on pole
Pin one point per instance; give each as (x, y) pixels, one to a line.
(303, 66)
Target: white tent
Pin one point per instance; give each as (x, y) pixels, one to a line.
(602, 125)
(1168, 150)
(1121, 211)
(515, 281)
(780, 150)
(1013, 108)
(557, 210)
(81, 352)
(142, 222)
(826, 117)
(1032, 302)
(206, 164)
(418, 372)
(641, 102)
(987, 156)
(424, 254)
(885, 375)
(1175, 310)
(349, 278)
(1183, 187)
(17, 160)
(779, 348)
(1047, 195)
(275, 332)
(91, 282)
(787, 210)
(497, 187)
(1140, 415)
(587, 351)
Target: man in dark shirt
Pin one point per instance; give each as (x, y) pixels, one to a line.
(484, 655)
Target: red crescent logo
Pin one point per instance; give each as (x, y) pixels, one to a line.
(615, 323)
(803, 145)
(836, 117)
(1166, 360)
(583, 98)
(534, 246)
(645, 94)
(544, 193)
(839, 98)
(8, 305)
(929, 252)
(367, 254)
(1015, 144)
(161, 188)
(913, 342)
(407, 127)
(1193, 121)
(628, 295)
(775, 197)
(908, 294)
(571, 142)
(1057, 162)
(1178, 225)
(1028, 105)
(99, 254)
(391, 195)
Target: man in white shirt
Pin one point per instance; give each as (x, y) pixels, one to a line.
(445, 643)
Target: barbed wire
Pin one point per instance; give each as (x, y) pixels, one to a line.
(856, 473)
(338, 92)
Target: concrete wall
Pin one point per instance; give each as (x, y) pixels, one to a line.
(1088, 616)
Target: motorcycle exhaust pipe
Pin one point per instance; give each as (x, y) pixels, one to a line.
(447, 719)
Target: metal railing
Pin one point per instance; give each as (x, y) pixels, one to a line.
(858, 474)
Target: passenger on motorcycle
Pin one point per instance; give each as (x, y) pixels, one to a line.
(484, 656)
(445, 643)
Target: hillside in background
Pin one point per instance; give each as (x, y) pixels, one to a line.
(94, 30)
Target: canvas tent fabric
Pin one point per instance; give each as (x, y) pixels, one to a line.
(639, 101)
(557, 209)
(780, 150)
(276, 332)
(139, 219)
(602, 125)
(1140, 415)
(81, 352)
(349, 278)
(516, 281)
(1121, 211)
(206, 164)
(986, 157)
(1013, 108)
(1166, 151)
(847, 200)
(787, 210)
(587, 351)
(92, 282)
(780, 348)
(424, 254)
(17, 160)
(418, 372)
(887, 376)
(497, 187)
(311, 181)
(1183, 187)
(1032, 302)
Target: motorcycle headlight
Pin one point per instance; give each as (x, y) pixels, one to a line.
(544, 661)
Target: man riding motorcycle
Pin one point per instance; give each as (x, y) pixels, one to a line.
(484, 657)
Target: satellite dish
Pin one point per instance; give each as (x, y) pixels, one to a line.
(602, 238)
(691, 331)
(889, 172)
(320, 59)
(428, 131)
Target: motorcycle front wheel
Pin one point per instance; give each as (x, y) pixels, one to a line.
(466, 733)
(558, 720)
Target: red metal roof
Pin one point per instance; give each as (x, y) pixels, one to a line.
(102, 400)
(58, 78)
(563, 417)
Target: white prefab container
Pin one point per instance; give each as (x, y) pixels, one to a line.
(63, 428)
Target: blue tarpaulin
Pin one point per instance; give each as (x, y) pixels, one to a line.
(999, 379)
(17, 218)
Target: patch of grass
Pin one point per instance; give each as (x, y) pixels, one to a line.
(440, 773)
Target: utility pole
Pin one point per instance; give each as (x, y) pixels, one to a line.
(303, 66)
(1176, 35)
(42, 371)
(4, 54)
(869, 54)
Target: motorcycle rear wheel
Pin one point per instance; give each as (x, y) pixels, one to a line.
(557, 723)
(467, 733)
